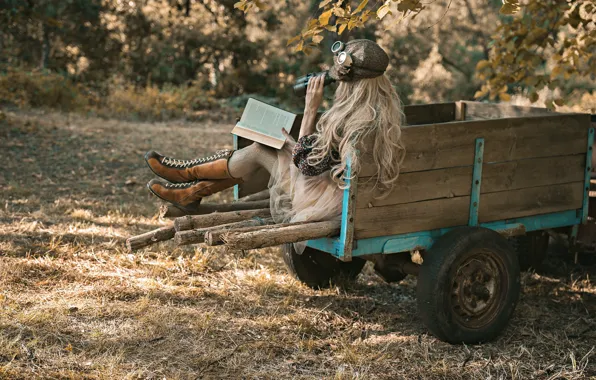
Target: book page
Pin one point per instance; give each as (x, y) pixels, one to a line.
(262, 122)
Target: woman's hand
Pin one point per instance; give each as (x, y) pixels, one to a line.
(290, 142)
(314, 94)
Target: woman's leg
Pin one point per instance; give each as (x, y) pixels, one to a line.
(246, 161)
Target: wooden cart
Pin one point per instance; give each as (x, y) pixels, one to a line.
(475, 176)
(480, 186)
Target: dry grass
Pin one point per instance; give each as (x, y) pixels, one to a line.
(74, 304)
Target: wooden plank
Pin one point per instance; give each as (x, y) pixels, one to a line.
(437, 146)
(483, 111)
(450, 212)
(429, 113)
(456, 182)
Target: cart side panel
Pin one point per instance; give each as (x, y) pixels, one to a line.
(533, 166)
(415, 114)
(484, 111)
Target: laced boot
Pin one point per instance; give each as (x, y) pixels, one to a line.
(189, 194)
(178, 171)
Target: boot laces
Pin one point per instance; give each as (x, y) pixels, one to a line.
(197, 161)
(182, 185)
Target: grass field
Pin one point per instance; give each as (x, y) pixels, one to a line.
(74, 304)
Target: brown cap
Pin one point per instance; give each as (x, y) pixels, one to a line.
(368, 60)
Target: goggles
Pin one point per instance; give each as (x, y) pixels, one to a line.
(341, 57)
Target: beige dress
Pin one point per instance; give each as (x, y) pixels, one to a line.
(298, 198)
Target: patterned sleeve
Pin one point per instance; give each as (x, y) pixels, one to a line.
(300, 156)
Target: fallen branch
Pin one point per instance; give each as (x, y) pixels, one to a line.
(198, 236)
(216, 236)
(148, 238)
(269, 237)
(261, 195)
(171, 211)
(193, 222)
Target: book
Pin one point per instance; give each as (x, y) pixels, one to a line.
(262, 123)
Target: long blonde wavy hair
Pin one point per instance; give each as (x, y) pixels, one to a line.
(366, 116)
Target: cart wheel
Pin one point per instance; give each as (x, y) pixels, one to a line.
(317, 268)
(468, 285)
(531, 249)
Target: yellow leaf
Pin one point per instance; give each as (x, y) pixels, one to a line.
(317, 39)
(360, 7)
(531, 80)
(262, 6)
(331, 28)
(383, 11)
(299, 46)
(292, 40)
(479, 94)
(325, 16)
(240, 4)
(534, 97)
(504, 97)
(351, 23)
(339, 12)
(324, 3)
(365, 16)
(560, 102)
(482, 64)
(68, 347)
(503, 89)
(342, 28)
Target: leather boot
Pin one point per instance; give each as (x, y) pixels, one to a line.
(177, 171)
(189, 194)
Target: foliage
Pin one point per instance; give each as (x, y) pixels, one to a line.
(552, 44)
(40, 89)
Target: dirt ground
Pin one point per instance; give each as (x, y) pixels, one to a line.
(75, 304)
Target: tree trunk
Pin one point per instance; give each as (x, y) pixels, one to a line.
(198, 236)
(151, 237)
(269, 237)
(171, 211)
(188, 222)
(45, 47)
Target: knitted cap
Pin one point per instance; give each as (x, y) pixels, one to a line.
(369, 60)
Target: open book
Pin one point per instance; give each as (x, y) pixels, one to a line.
(262, 123)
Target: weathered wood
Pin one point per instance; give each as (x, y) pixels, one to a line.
(450, 212)
(191, 222)
(457, 181)
(429, 113)
(276, 236)
(439, 146)
(258, 196)
(460, 111)
(171, 211)
(483, 111)
(198, 236)
(148, 238)
(215, 235)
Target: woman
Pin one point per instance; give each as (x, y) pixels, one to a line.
(307, 176)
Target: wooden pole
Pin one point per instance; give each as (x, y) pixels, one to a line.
(261, 195)
(151, 237)
(216, 236)
(171, 211)
(192, 222)
(198, 236)
(281, 235)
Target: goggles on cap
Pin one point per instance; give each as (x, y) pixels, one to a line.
(341, 57)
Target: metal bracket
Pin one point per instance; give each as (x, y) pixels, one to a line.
(587, 175)
(476, 182)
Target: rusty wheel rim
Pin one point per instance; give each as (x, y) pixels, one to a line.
(478, 289)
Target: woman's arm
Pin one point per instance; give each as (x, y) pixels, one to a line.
(314, 97)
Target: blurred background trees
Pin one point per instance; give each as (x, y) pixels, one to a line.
(182, 57)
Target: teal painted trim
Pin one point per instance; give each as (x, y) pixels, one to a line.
(587, 176)
(346, 224)
(476, 182)
(425, 239)
(236, 188)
